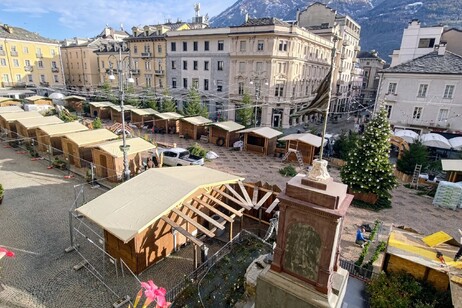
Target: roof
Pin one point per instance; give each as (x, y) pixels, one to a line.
(229, 126)
(13, 116)
(431, 63)
(132, 206)
(36, 98)
(305, 138)
(199, 120)
(75, 97)
(100, 104)
(369, 55)
(54, 130)
(91, 136)
(145, 111)
(7, 99)
(169, 115)
(266, 132)
(15, 33)
(451, 164)
(36, 122)
(9, 109)
(118, 108)
(265, 21)
(137, 145)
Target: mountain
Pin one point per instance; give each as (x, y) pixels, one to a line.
(382, 21)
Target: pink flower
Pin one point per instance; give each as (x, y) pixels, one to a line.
(154, 293)
(7, 252)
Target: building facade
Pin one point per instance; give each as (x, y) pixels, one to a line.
(280, 65)
(424, 94)
(371, 64)
(109, 55)
(29, 60)
(327, 23)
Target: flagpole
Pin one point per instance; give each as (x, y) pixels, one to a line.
(329, 95)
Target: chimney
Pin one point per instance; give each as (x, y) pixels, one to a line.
(246, 17)
(442, 48)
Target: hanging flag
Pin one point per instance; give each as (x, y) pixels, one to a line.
(320, 102)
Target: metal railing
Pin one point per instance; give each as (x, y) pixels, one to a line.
(362, 273)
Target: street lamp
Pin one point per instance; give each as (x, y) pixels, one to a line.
(124, 147)
(257, 98)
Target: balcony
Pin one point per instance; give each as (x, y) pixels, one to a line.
(14, 53)
(44, 83)
(159, 72)
(39, 55)
(2, 52)
(28, 68)
(135, 71)
(357, 48)
(391, 97)
(55, 70)
(345, 43)
(145, 55)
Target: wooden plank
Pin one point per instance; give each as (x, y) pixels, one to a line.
(194, 223)
(255, 195)
(224, 205)
(244, 205)
(231, 190)
(211, 208)
(182, 231)
(262, 200)
(244, 192)
(272, 206)
(205, 216)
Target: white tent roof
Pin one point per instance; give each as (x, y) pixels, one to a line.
(456, 143)
(9, 109)
(75, 97)
(409, 136)
(305, 138)
(132, 206)
(266, 132)
(229, 126)
(199, 120)
(435, 141)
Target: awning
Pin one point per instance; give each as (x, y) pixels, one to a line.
(456, 143)
(409, 136)
(435, 141)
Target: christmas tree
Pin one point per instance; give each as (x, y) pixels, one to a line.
(194, 106)
(367, 168)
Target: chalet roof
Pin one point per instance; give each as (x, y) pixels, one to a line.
(199, 120)
(91, 136)
(36, 98)
(13, 116)
(145, 111)
(431, 63)
(7, 99)
(265, 21)
(9, 109)
(451, 164)
(229, 126)
(169, 115)
(266, 132)
(39, 121)
(137, 145)
(55, 130)
(129, 208)
(118, 108)
(16, 33)
(305, 138)
(100, 104)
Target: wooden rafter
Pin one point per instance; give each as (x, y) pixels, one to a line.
(224, 205)
(211, 208)
(255, 195)
(272, 206)
(244, 192)
(183, 231)
(199, 227)
(205, 216)
(224, 194)
(238, 196)
(262, 200)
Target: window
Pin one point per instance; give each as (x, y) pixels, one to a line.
(417, 113)
(221, 45)
(56, 79)
(426, 43)
(159, 48)
(147, 48)
(241, 88)
(241, 67)
(282, 45)
(195, 46)
(6, 78)
(27, 62)
(448, 91)
(148, 80)
(29, 78)
(443, 114)
(174, 83)
(40, 63)
(160, 83)
(172, 46)
(53, 53)
(53, 64)
(147, 65)
(185, 65)
(15, 62)
(173, 65)
(206, 46)
(195, 83)
(279, 90)
(422, 90)
(195, 66)
(206, 84)
(18, 77)
(185, 46)
(220, 65)
(42, 78)
(242, 46)
(25, 49)
(219, 86)
(392, 88)
(206, 65)
(260, 45)
(259, 67)
(2, 62)
(185, 83)
(135, 49)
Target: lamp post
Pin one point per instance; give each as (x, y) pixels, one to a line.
(124, 147)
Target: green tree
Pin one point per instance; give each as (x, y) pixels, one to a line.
(416, 155)
(130, 96)
(149, 100)
(97, 123)
(368, 168)
(245, 112)
(345, 144)
(106, 93)
(194, 107)
(168, 105)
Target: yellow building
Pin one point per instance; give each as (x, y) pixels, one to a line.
(28, 59)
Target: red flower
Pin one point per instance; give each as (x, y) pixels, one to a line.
(7, 252)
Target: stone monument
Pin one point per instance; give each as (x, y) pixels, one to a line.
(305, 270)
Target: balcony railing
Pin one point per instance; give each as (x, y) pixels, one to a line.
(135, 71)
(145, 54)
(39, 55)
(159, 72)
(28, 68)
(14, 53)
(44, 83)
(357, 48)
(55, 70)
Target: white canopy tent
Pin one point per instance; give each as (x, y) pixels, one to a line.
(409, 136)
(435, 141)
(456, 143)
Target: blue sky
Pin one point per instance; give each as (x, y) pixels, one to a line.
(60, 19)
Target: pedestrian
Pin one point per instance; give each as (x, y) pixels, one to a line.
(360, 238)
(149, 163)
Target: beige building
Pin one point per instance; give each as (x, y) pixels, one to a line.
(453, 38)
(371, 64)
(28, 59)
(81, 62)
(327, 23)
(280, 65)
(109, 56)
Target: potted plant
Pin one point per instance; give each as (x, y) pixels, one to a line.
(433, 169)
(2, 193)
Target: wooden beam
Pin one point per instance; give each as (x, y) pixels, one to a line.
(272, 206)
(244, 192)
(261, 188)
(224, 205)
(255, 195)
(194, 223)
(211, 208)
(205, 216)
(182, 231)
(262, 200)
(236, 194)
(244, 205)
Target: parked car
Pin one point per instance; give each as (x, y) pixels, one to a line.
(180, 157)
